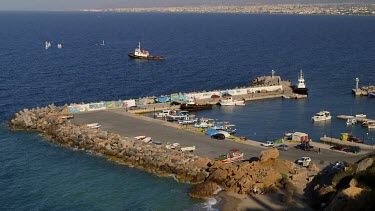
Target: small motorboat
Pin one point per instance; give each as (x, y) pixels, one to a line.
(351, 121)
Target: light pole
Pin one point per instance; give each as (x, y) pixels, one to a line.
(154, 112)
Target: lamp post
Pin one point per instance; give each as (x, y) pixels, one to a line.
(154, 112)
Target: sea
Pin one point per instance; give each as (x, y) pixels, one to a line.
(203, 52)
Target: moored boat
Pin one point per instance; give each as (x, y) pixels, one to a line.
(192, 105)
(371, 94)
(143, 54)
(229, 101)
(321, 116)
(235, 156)
(351, 121)
(301, 86)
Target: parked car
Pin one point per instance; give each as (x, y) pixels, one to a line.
(175, 103)
(338, 166)
(304, 146)
(339, 147)
(282, 147)
(353, 149)
(134, 108)
(218, 136)
(303, 160)
(267, 144)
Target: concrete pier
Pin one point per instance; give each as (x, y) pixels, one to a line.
(335, 141)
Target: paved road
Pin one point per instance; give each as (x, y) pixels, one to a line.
(126, 124)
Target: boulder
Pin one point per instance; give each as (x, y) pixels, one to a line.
(219, 176)
(353, 183)
(364, 164)
(203, 190)
(268, 154)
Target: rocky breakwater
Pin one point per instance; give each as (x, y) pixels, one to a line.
(154, 158)
(265, 173)
(207, 175)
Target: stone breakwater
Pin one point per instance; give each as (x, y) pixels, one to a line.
(206, 174)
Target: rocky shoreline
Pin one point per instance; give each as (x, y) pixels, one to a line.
(206, 175)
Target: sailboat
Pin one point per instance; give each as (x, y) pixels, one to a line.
(102, 43)
(48, 44)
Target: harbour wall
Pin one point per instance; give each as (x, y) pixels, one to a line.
(200, 96)
(187, 167)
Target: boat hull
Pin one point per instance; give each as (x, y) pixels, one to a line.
(301, 91)
(195, 107)
(131, 55)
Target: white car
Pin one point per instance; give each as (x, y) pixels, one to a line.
(303, 160)
(267, 144)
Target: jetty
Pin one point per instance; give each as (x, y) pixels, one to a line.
(363, 91)
(359, 118)
(335, 141)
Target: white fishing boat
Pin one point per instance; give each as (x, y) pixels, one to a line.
(189, 119)
(163, 113)
(230, 101)
(172, 146)
(371, 125)
(351, 121)
(362, 116)
(175, 116)
(190, 149)
(92, 124)
(322, 116)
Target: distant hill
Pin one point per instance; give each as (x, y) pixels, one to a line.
(172, 3)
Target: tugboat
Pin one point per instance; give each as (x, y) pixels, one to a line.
(301, 87)
(143, 54)
(191, 105)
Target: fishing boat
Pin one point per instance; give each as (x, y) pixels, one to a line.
(321, 116)
(163, 113)
(189, 119)
(351, 121)
(59, 46)
(234, 156)
(192, 105)
(301, 86)
(230, 101)
(143, 54)
(175, 116)
(371, 125)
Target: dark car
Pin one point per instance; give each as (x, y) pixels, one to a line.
(175, 103)
(218, 136)
(134, 108)
(339, 147)
(353, 149)
(304, 146)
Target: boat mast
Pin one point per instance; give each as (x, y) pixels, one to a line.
(139, 45)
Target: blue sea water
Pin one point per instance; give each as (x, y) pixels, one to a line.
(204, 52)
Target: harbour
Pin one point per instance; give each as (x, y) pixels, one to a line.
(82, 71)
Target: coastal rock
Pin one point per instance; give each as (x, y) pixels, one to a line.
(364, 164)
(268, 154)
(347, 199)
(219, 176)
(203, 190)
